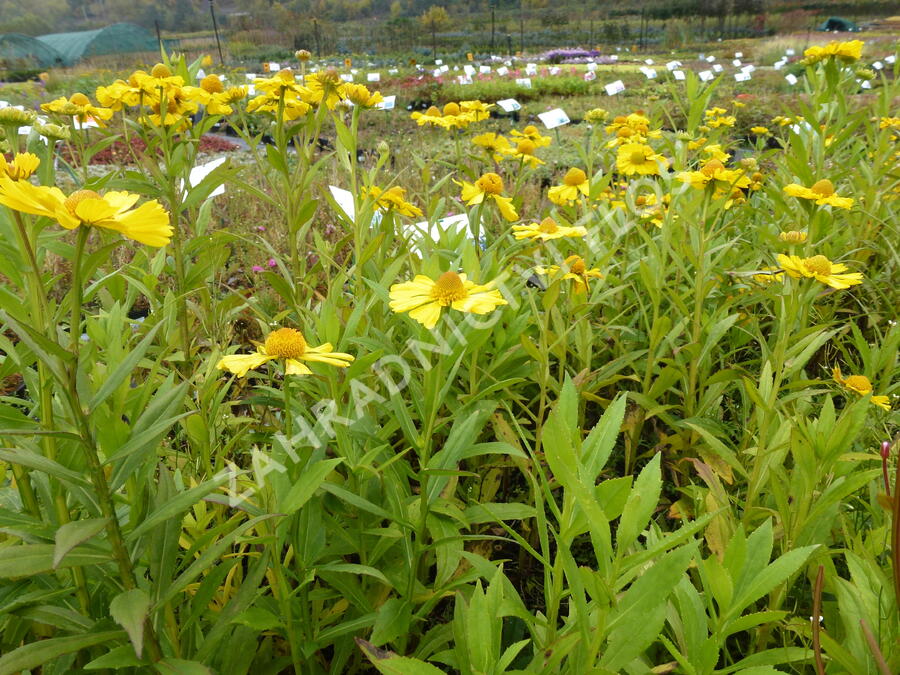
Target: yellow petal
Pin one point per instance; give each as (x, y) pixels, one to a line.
(427, 315)
(507, 210)
(294, 367)
(325, 354)
(239, 364)
(147, 224)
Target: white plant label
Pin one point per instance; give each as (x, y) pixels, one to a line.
(614, 88)
(705, 75)
(678, 74)
(554, 118)
(373, 77)
(791, 79)
(524, 82)
(509, 105)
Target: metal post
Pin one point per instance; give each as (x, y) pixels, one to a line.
(216, 30)
(492, 30)
(522, 26)
(158, 36)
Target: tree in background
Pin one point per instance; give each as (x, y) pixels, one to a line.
(434, 19)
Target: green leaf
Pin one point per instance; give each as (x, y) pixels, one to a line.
(389, 663)
(177, 505)
(768, 579)
(120, 657)
(641, 611)
(310, 480)
(129, 609)
(124, 369)
(68, 536)
(43, 651)
(598, 445)
(769, 657)
(392, 621)
(640, 505)
(181, 667)
(25, 560)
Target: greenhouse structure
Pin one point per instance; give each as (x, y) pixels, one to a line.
(19, 51)
(118, 38)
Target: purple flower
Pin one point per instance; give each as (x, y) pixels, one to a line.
(260, 228)
(258, 268)
(271, 262)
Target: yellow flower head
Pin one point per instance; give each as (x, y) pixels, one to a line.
(495, 145)
(212, 84)
(11, 116)
(119, 94)
(847, 52)
(393, 198)
(637, 158)
(22, 166)
(532, 134)
(714, 150)
(793, 237)
(359, 95)
(574, 268)
(288, 345)
(78, 106)
(546, 230)
(575, 183)
(489, 186)
(325, 87)
(821, 269)
(861, 385)
(424, 298)
(821, 192)
(524, 152)
(760, 131)
(147, 224)
(713, 173)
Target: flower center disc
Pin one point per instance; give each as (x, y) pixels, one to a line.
(525, 147)
(548, 226)
(286, 343)
(575, 177)
(448, 288)
(819, 264)
(858, 383)
(638, 157)
(576, 265)
(76, 198)
(451, 109)
(823, 187)
(490, 183)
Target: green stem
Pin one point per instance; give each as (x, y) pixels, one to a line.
(92, 454)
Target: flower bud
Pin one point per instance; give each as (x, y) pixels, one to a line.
(302, 55)
(885, 449)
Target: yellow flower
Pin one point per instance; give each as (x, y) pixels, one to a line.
(793, 237)
(821, 192)
(846, 51)
(575, 268)
(359, 95)
(575, 182)
(524, 152)
(283, 83)
(324, 87)
(21, 167)
(760, 131)
(532, 134)
(431, 116)
(489, 186)
(424, 297)
(147, 224)
(291, 107)
(546, 230)
(861, 385)
(637, 158)
(715, 151)
(819, 268)
(494, 145)
(160, 81)
(289, 345)
(889, 123)
(393, 198)
(120, 93)
(78, 106)
(714, 173)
